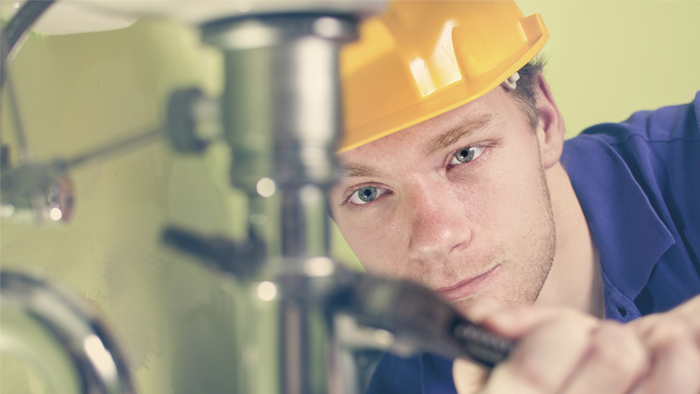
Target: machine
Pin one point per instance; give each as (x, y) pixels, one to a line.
(280, 113)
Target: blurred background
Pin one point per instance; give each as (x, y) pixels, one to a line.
(176, 321)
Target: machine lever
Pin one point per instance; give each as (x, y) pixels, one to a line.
(243, 260)
(417, 318)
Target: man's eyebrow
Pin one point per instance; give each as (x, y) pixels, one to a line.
(352, 170)
(450, 137)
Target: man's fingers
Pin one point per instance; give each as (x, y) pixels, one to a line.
(562, 351)
(515, 322)
(469, 377)
(675, 359)
(688, 314)
(544, 359)
(615, 361)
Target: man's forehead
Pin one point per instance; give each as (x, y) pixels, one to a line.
(426, 137)
(364, 161)
(454, 134)
(474, 114)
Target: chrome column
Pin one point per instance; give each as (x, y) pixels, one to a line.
(282, 118)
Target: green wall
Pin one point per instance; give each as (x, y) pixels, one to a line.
(175, 320)
(608, 59)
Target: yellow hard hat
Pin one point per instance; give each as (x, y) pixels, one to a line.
(423, 58)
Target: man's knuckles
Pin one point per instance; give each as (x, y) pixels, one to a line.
(560, 346)
(619, 351)
(548, 355)
(674, 323)
(521, 320)
(674, 370)
(570, 349)
(667, 330)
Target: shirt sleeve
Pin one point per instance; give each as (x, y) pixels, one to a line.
(426, 373)
(396, 375)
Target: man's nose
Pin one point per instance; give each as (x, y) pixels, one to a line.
(439, 225)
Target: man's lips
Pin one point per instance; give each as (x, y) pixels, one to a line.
(467, 287)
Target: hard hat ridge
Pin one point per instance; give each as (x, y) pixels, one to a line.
(424, 58)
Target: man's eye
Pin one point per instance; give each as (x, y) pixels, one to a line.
(466, 155)
(366, 194)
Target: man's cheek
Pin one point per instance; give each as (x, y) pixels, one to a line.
(380, 256)
(376, 259)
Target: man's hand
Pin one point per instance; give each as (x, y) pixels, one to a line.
(673, 341)
(564, 351)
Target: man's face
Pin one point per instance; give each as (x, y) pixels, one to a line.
(458, 203)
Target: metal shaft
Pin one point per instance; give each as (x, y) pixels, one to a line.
(282, 119)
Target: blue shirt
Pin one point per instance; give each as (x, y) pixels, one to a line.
(638, 183)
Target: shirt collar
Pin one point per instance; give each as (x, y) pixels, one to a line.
(629, 235)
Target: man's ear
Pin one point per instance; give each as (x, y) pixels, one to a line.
(550, 128)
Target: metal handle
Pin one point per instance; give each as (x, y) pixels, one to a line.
(481, 345)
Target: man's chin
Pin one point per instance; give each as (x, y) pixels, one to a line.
(462, 305)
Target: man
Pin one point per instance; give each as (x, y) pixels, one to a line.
(456, 176)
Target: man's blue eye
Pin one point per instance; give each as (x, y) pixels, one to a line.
(366, 194)
(466, 155)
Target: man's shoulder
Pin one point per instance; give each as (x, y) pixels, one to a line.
(650, 145)
(396, 375)
(638, 185)
(415, 375)
(666, 124)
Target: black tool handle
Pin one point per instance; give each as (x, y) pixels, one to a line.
(481, 345)
(417, 317)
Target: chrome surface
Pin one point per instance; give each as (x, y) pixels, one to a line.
(204, 11)
(37, 193)
(43, 192)
(58, 336)
(281, 102)
(282, 118)
(281, 115)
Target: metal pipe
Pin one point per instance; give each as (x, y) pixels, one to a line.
(282, 113)
(304, 221)
(60, 338)
(282, 118)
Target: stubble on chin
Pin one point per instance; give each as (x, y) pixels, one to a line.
(534, 269)
(525, 275)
